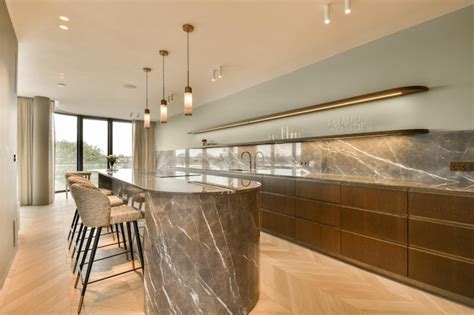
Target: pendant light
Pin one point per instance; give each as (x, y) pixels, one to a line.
(146, 116)
(188, 91)
(164, 104)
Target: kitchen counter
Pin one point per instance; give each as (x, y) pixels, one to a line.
(201, 241)
(443, 184)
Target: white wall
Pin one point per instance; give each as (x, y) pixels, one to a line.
(437, 53)
(8, 118)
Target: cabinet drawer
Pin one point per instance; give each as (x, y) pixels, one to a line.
(320, 212)
(278, 223)
(277, 185)
(377, 253)
(379, 225)
(442, 272)
(278, 203)
(442, 207)
(379, 199)
(315, 190)
(451, 239)
(317, 236)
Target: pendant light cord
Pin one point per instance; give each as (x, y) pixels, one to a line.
(187, 36)
(163, 77)
(146, 89)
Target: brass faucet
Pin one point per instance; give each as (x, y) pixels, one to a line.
(250, 158)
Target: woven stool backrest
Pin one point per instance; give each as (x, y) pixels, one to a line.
(93, 206)
(81, 180)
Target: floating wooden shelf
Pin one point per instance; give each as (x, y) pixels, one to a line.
(386, 94)
(400, 132)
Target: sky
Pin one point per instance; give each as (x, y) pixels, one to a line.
(95, 133)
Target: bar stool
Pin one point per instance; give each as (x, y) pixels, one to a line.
(114, 202)
(84, 174)
(95, 212)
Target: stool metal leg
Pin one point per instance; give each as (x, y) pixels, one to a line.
(139, 243)
(81, 227)
(73, 223)
(130, 243)
(74, 231)
(84, 256)
(79, 249)
(89, 268)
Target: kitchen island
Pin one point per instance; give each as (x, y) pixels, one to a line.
(201, 241)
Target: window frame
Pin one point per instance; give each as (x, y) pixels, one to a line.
(80, 139)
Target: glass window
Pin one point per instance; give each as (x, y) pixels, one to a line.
(122, 143)
(65, 127)
(95, 138)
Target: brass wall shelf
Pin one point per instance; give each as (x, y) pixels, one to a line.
(386, 94)
(399, 132)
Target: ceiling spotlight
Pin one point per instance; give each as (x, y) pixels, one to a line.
(327, 18)
(64, 18)
(347, 7)
(61, 85)
(63, 27)
(220, 72)
(214, 75)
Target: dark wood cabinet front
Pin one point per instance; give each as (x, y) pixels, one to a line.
(276, 223)
(320, 212)
(316, 190)
(278, 203)
(377, 199)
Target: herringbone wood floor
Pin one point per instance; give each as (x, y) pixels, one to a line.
(294, 280)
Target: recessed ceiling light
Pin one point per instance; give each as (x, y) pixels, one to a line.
(64, 18)
(61, 85)
(129, 86)
(63, 27)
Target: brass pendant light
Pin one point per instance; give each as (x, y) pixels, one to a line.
(146, 116)
(188, 91)
(164, 104)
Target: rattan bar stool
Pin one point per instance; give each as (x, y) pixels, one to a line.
(96, 213)
(114, 202)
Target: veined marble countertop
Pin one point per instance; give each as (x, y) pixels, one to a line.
(445, 185)
(180, 182)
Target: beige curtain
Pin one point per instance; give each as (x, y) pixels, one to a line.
(143, 147)
(25, 150)
(26, 154)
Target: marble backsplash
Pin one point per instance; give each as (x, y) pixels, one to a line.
(421, 158)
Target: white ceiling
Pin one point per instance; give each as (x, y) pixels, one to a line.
(110, 41)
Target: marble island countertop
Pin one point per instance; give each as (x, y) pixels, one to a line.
(180, 182)
(442, 184)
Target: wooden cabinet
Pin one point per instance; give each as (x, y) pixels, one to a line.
(317, 190)
(317, 236)
(374, 224)
(278, 203)
(316, 211)
(378, 199)
(279, 224)
(277, 185)
(381, 254)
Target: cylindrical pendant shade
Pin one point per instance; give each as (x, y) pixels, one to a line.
(163, 112)
(188, 101)
(146, 119)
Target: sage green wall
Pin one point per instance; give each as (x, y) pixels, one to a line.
(437, 53)
(8, 192)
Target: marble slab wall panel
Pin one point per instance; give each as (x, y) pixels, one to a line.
(422, 158)
(201, 253)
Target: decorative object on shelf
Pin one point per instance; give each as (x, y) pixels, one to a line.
(163, 105)
(204, 142)
(146, 116)
(112, 159)
(327, 18)
(386, 94)
(188, 91)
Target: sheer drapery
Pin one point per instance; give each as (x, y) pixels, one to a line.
(26, 153)
(143, 147)
(25, 150)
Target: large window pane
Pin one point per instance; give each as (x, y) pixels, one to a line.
(122, 143)
(95, 144)
(65, 127)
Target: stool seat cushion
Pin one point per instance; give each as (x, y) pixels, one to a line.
(124, 213)
(139, 198)
(115, 201)
(106, 191)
